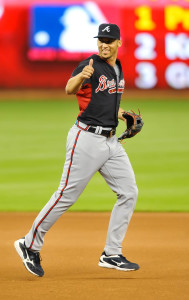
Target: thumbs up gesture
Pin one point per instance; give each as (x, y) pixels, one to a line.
(91, 62)
(88, 70)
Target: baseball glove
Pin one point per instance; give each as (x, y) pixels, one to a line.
(134, 124)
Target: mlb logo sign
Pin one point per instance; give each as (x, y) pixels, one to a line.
(70, 28)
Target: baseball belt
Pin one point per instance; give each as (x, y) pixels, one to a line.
(106, 133)
(96, 129)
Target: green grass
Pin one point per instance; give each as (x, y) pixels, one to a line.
(32, 153)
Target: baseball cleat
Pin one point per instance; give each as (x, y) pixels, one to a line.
(118, 262)
(31, 260)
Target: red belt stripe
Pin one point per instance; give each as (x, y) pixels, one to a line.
(68, 173)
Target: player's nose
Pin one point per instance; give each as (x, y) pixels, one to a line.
(104, 45)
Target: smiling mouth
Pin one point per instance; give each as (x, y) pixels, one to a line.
(105, 51)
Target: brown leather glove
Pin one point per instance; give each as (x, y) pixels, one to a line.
(134, 124)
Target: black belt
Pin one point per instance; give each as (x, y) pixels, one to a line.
(106, 133)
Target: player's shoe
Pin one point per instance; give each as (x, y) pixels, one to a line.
(31, 260)
(118, 262)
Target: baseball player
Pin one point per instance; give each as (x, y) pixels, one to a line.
(92, 146)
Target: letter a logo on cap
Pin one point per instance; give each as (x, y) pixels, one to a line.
(107, 28)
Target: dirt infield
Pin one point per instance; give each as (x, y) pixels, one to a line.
(158, 242)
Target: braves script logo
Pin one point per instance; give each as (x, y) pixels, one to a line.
(107, 28)
(104, 84)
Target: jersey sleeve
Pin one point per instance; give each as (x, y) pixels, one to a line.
(79, 69)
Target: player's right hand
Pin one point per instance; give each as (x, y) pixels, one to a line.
(88, 70)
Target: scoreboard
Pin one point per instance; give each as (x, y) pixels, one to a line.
(156, 38)
(161, 46)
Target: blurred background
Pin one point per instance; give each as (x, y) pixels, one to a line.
(41, 42)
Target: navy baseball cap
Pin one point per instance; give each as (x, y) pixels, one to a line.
(108, 30)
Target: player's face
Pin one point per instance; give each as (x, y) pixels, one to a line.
(108, 47)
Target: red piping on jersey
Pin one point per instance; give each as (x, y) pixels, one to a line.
(68, 173)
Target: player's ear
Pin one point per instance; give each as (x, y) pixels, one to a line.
(119, 43)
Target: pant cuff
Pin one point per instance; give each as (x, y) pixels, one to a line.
(112, 250)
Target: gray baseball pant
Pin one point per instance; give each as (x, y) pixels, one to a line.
(86, 154)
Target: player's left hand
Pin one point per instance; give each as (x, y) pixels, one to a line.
(134, 124)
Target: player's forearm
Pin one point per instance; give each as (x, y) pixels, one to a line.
(74, 84)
